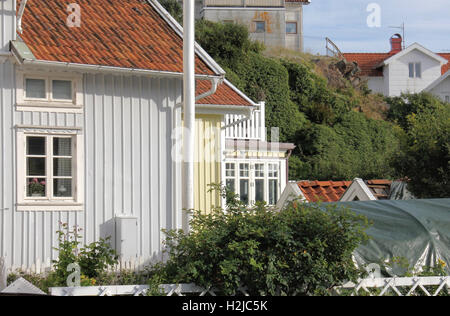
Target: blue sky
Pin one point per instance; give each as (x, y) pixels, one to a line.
(345, 22)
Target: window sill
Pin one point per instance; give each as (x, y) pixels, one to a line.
(49, 207)
(49, 107)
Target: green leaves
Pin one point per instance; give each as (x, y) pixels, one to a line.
(302, 250)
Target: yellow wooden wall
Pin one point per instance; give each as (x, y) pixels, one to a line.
(207, 165)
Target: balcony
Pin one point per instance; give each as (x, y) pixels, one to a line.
(244, 3)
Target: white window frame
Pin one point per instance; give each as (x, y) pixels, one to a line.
(49, 104)
(412, 73)
(50, 203)
(252, 177)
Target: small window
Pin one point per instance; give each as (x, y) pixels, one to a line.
(447, 98)
(411, 70)
(415, 70)
(273, 183)
(259, 182)
(260, 26)
(230, 173)
(291, 27)
(418, 70)
(244, 182)
(35, 88)
(62, 90)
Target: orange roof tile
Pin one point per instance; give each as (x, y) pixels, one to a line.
(367, 62)
(446, 67)
(224, 95)
(117, 33)
(324, 191)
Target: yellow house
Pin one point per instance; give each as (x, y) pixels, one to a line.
(231, 149)
(210, 124)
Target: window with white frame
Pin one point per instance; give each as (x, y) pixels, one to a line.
(447, 98)
(244, 182)
(415, 70)
(273, 183)
(56, 90)
(230, 176)
(259, 182)
(254, 182)
(49, 171)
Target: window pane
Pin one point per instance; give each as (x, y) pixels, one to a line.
(36, 146)
(36, 187)
(259, 188)
(62, 89)
(35, 166)
(230, 185)
(62, 167)
(229, 170)
(62, 187)
(243, 190)
(291, 27)
(418, 70)
(259, 170)
(411, 70)
(35, 88)
(260, 27)
(273, 192)
(62, 146)
(244, 170)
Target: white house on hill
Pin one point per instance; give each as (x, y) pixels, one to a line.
(413, 69)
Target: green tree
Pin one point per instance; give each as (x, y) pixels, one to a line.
(354, 147)
(425, 155)
(174, 8)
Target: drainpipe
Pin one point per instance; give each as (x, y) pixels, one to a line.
(189, 108)
(20, 15)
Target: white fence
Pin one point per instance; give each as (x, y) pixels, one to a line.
(253, 128)
(428, 286)
(425, 286)
(136, 290)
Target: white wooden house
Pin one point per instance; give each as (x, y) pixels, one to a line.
(87, 119)
(409, 70)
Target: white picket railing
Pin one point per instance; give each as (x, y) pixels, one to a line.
(136, 290)
(398, 286)
(240, 128)
(388, 286)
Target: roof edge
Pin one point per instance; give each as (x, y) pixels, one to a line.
(179, 30)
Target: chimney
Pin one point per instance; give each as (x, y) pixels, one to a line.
(7, 24)
(396, 44)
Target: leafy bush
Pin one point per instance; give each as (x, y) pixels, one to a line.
(302, 250)
(93, 259)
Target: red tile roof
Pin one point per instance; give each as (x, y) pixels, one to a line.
(368, 61)
(225, 95)
(446, 67)
(117, 33)
(324, 191)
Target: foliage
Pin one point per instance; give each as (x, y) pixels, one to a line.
(354, 147)
(93, 259)
(301, 250)
(174, 8)
(406, 104)
(425, 155)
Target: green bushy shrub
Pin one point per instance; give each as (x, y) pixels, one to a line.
(301, 250)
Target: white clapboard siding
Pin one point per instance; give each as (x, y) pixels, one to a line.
(127, 125)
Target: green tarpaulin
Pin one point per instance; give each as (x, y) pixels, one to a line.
(417, 230)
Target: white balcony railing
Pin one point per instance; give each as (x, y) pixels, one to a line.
(238, 127)
(244, 3)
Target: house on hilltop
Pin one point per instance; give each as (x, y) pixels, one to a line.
(276, 23)
(413, 69)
